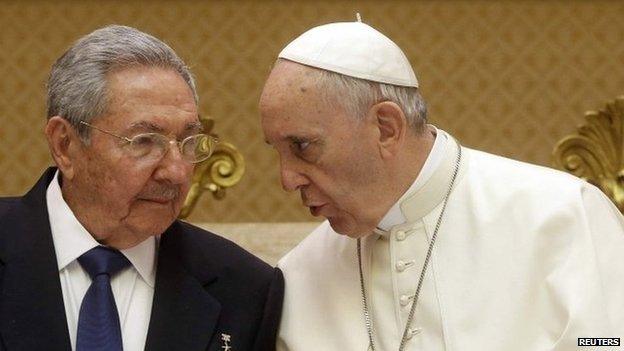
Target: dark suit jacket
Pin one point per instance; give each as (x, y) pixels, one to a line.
(206, 286)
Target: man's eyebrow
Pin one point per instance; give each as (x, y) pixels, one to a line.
(155, 128)
(144, 125)
(194, 127)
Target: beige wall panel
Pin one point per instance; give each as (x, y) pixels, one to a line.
(509, 77)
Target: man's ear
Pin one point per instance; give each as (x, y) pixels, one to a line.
(392, 125)
(62, 141)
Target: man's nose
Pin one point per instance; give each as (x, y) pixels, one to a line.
(292, 180)
(173, 167)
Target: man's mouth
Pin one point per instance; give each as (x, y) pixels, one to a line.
(162, 196)
(159, 200)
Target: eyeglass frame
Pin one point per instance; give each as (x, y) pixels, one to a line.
(171, 141)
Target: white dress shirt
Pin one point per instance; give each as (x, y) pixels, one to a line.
(133, 287)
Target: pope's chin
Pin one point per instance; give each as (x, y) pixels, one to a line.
(346, 227)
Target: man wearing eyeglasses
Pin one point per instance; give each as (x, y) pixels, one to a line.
(93, 258)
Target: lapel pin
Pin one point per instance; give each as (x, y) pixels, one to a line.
(226, 338)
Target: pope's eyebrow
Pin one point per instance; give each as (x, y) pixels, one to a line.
(297, 139)
(290, 138)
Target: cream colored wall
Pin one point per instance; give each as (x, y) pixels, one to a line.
(510, 77)
(269, 241)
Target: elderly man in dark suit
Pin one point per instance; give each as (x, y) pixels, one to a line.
(93, 258)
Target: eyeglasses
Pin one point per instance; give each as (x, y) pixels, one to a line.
(154, 146)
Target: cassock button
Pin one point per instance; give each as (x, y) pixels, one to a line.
(400, 235)
(412, 332)
(404, 300)
(400, 266)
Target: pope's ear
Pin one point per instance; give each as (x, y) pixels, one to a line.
(62, 140)
(392, 125)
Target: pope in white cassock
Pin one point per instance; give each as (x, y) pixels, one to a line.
(428, 245)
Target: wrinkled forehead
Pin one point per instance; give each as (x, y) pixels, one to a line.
(291, 86)
(150, 99)
(294, 106)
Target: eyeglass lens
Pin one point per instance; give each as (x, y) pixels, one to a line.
(195, 148)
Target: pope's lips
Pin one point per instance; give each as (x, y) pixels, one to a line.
(315, 209)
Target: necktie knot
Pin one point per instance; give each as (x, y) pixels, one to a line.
(102, 260)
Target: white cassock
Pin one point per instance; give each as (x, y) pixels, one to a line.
(526, 258)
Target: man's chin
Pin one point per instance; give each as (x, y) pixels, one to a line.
(155, 211)
(151, 222)
(142, 231)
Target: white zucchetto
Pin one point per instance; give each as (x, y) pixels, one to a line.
(354, 49)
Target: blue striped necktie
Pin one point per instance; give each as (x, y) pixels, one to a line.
(98, 322)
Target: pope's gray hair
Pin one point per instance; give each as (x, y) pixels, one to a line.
(357, 96)
(77, 84)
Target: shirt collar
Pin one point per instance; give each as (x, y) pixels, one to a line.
(71, 239)
(395, 216)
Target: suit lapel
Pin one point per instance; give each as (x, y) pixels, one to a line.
(32, 313)
(184, 315)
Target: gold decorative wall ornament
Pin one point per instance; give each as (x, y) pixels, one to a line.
(595, 151)
(222, 170)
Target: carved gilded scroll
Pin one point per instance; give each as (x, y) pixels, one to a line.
(595, 151)
(222, 170)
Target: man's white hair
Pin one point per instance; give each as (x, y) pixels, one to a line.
(77, 87)
(356, 96)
